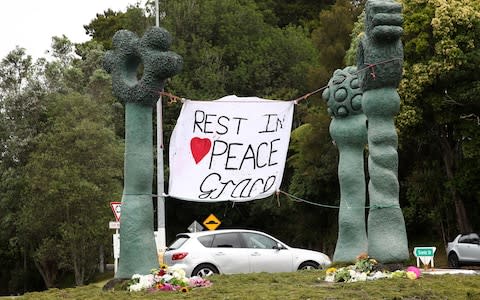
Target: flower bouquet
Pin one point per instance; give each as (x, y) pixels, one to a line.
(366, 268)
(166, 279)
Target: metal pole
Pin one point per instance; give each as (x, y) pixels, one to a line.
(160, 180)
(161, 234)
(157, 14)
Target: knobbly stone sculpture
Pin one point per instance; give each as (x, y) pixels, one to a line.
(381, 52)
(138, 254)
(348, 130)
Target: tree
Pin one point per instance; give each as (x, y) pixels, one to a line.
(439, 115)
(104, 26)
(26, 90)
(300, 12)
(73, 186)
(332, 39)
(314, 174)
(21, 118)
(229, 47)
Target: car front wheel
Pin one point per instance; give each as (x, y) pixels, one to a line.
(205, 270)
(453, 260)
(308, 265)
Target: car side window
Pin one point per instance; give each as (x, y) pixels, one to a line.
(206, 240)
(471, 238)
(474, 239)
(226, 240)
(259, 241)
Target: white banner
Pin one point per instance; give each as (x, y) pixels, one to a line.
(232, 149)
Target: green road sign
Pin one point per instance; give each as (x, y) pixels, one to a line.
(424, 251)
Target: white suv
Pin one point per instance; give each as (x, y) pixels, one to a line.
(465, 249)
(231, 251)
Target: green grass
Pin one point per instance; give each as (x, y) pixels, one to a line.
(297, 285)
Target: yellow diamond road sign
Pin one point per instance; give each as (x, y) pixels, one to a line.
(212, 222)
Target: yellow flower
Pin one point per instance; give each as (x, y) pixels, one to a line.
(184, 289)
(331, 270)
(163, 266)
(411, 275)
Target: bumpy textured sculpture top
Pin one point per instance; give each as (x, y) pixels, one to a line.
(127, 55)
(343, 94)
(381, 45)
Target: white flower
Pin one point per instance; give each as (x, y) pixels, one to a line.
(144, 282)
(378, 275)
(167, 277)
(330, 277)
(147, 281)
(179, 274)
(135, 287)
(362, 277)
(176, 272)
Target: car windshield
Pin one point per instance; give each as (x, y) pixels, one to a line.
(178, 242)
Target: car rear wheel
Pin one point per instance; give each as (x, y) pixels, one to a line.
(205, 270)
(453, 260)
(308, 265)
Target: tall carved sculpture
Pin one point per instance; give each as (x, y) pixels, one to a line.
(381, 50)
(348, 130)
(351, 102)
(138, 254)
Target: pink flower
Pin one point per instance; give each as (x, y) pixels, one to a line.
(414, 270)
(167, 287)
(197, 281)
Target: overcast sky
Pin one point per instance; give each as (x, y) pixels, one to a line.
(32, 23)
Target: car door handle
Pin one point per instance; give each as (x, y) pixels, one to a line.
(255, 254)
(219, 254)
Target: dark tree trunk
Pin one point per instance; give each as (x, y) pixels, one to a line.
(48, 271)
(450, 157)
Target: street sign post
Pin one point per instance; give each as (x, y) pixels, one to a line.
(425, 255)
(117, 210)
(116, 251)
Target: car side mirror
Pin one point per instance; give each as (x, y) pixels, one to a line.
(278, 246)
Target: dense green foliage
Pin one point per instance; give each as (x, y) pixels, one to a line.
(60, 161)
(439, 118)
(61, 129)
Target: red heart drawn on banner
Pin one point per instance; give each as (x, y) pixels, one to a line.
(200, 148)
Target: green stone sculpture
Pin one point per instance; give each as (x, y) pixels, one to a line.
(349, 131)
(381, 52)
(138, 254)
